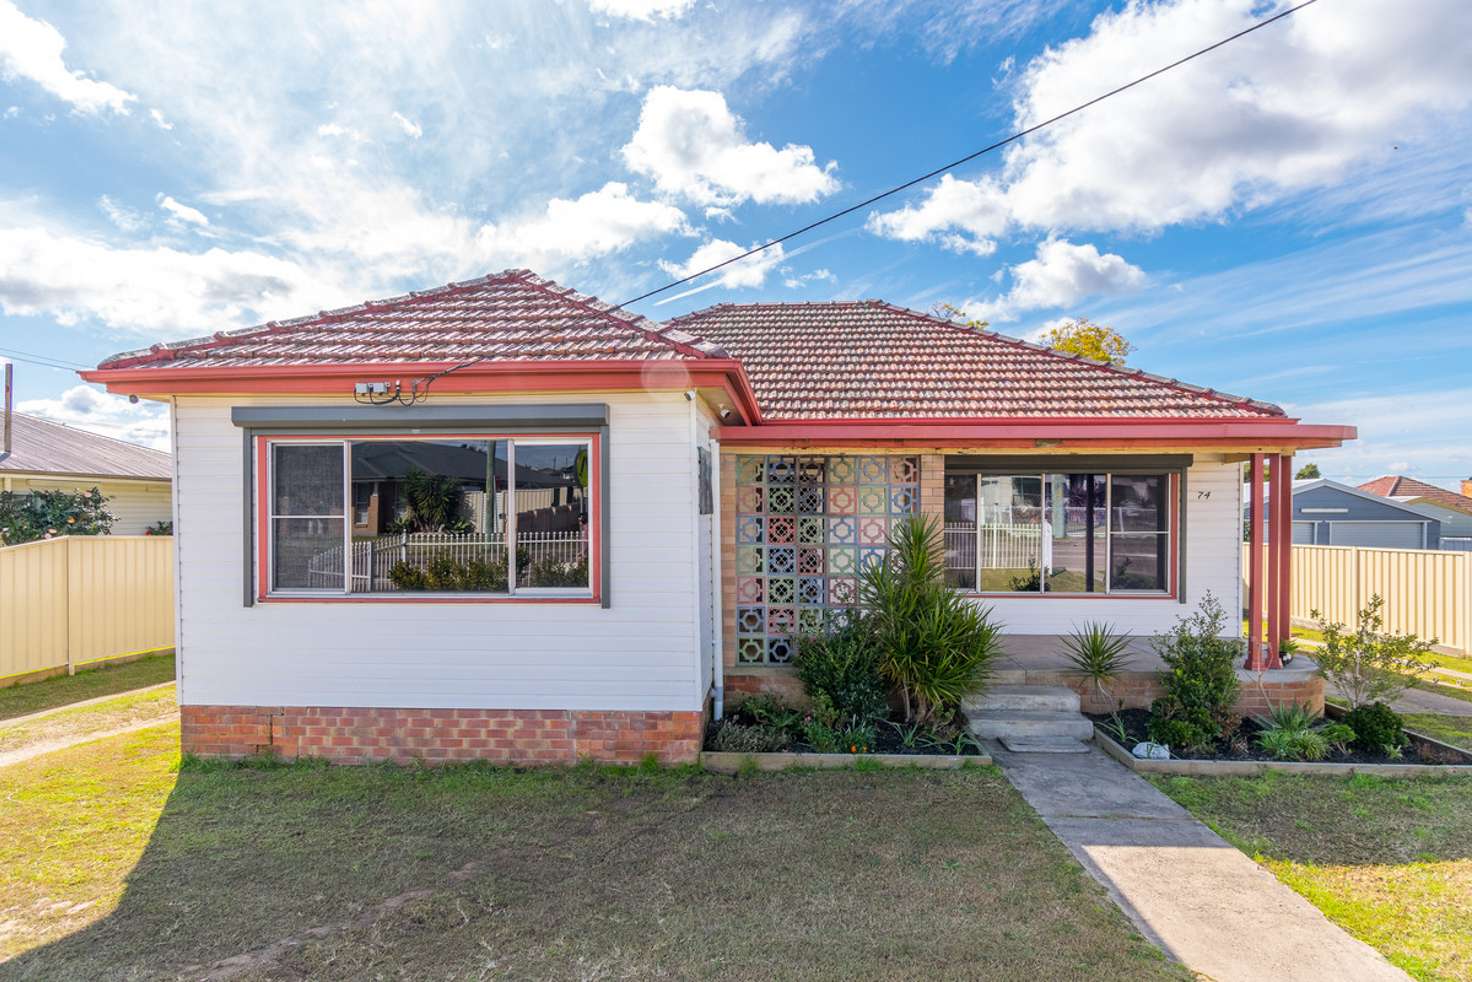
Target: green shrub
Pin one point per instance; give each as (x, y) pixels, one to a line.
(1370, 665)
(767, 711)
(1291, 733)
(482, 576)
(1339, 735)
(50, 514)
(1099, 653)
(442, 574)
(936, 646)
(1200, 681)
(407, 576)
(845, 667)
(740, 738)
(1377, 728)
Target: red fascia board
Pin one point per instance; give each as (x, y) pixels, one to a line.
(499, 376)
(1015, 432)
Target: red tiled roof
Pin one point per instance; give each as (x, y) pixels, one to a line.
(514, 315)
(870, 359)
(1398, 486)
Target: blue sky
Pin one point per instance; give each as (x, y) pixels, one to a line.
(1289, 218)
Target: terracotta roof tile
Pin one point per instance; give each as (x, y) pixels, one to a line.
(870, 359)
(1399, 486)
(513, 315)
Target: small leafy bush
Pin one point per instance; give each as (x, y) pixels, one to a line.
(1200, 681)
(767, 711)
(741, 738)
(443, 574)
(1369, 664)
(845, 667)
(1099, 653)
(407, 576)
(1339, 735)
(1291, 733)
(936, 646)
(160, 528)
(1377, 728)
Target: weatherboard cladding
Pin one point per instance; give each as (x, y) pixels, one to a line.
(842, 360)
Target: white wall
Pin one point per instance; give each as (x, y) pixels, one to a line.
(639, 654)
(1213, 554)
(134, 505)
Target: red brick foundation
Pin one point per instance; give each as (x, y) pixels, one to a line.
(356, 735)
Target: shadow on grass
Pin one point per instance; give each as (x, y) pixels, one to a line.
(322, 872)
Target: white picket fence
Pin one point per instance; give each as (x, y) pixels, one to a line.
(1000, 546)
(372, 559)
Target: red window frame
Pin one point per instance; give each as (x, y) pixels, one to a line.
(264, 441)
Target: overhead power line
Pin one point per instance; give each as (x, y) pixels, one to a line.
(422, 387)
(44, 361)
(971, 156)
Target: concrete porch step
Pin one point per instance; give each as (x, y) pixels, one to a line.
(1021, 698)
(1045, 745)
(1024, 724)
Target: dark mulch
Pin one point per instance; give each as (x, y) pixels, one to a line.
(1244, 745)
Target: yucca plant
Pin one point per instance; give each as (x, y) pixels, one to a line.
(936, 647)
(1099, 653)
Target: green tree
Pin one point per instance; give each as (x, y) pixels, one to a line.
(1308, 472)
(950, 312)
(1082, 336)
(49, 514)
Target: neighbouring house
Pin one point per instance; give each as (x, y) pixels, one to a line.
(48, 456)
(502, 519)
(1452, 510)
(1327, 513)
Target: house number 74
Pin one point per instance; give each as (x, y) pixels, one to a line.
(1202, 495)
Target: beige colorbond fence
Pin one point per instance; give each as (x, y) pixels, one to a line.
(1426, 592)
(76, 599)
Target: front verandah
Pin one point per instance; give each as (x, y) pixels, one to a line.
(797, 528)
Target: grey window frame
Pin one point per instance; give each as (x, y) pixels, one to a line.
(541, 422)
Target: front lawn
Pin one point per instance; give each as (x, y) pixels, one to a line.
(114, 863)
(1388, 860)
(89, 683)
(76, 722)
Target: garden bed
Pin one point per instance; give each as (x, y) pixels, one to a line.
(778, 736)
(735, 763)
(1243, 757)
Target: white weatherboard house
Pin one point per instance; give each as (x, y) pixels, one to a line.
(501, 519)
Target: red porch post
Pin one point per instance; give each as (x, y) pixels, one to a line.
(1285, 559)
(1277, 535)
(1254, 566)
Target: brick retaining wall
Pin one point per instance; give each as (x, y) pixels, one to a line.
(354, 735)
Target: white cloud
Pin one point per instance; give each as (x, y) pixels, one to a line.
(125, 218)
(794, 281)
(1292, 108)
(1404, 428)
(1398, 467)
(749, 272)
(98, 411)
(152, 290)
(594, 224)
(692, 145)
(31, 49)
(180, 214)
(412, 129)
(963, 216)
(159, 120)
(330, 130)
(11, 112)
(1059, 275)
(645, 10)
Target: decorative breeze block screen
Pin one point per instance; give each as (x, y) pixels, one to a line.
(805, 528)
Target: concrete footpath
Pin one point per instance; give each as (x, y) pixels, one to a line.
(1201, 900)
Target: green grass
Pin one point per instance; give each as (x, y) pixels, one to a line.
(1388, 860)
(1456, 730)
(61, 690)
(76, 722)
(116, 863)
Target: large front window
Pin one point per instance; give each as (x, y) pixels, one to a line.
(436, 515)
(1058, 533)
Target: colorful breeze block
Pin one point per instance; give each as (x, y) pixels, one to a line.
(805, 528)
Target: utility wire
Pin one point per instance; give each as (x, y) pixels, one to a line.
(918, 180)
(45, 361)
(971, 156)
